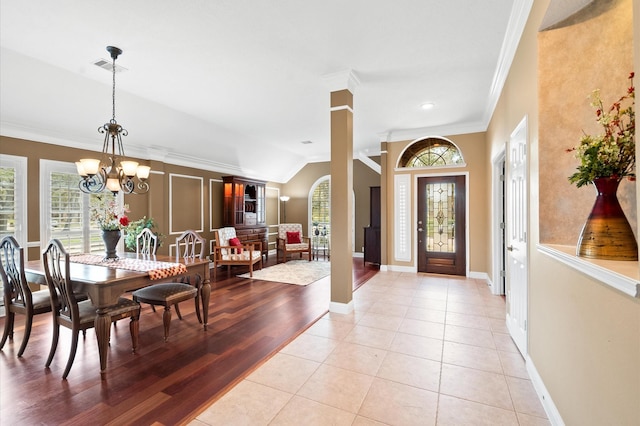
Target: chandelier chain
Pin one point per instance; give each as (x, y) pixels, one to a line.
(113, 91)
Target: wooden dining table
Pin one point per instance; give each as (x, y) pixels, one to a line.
(104, 284)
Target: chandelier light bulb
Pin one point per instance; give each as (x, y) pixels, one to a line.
(129, 168)
(143, 172)
(90, 166)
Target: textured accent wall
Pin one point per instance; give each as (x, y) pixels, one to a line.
(590, 50)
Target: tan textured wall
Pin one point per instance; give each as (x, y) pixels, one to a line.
(584, 337)
(473, 147)
(591, 50)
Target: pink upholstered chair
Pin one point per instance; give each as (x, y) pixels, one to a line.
(291, 240)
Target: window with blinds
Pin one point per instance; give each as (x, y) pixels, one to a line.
(321, 211)
(66, 215)
(13, 197)
(7, 201)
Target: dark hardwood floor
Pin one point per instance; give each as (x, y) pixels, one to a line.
(163, 383)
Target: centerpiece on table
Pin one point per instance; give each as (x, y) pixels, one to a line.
(111, 218)
(605, 159)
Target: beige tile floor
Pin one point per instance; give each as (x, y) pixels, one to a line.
(417, 350)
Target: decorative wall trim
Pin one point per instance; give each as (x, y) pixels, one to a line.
(342, 80)
(402, 218)
(201, 179)
(211, 228)
(342, 108)
(545, 399)
(622, 276)
(370, 163)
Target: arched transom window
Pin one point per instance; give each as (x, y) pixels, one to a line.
(431, 152)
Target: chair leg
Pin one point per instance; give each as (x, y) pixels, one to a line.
(54, 342)
(8, 327)
(134, 328)
(166, 320)
(178, 311)
(27, 332)
(72, 354)
(197, 302)
(251, 268)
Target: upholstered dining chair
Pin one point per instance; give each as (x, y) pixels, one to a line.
(146, 242)
(18, 297)
(291, 240)
(168, 294)
(73, 314)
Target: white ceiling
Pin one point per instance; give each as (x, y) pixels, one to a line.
(236, 85)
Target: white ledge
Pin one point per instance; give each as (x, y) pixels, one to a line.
(621, 275)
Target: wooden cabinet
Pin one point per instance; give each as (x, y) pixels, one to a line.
(244, 208)
(372, 232)
(244, 202)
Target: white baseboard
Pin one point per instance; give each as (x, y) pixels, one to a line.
(545, 399)
(396, 268)
(341, 308)
(479, 275)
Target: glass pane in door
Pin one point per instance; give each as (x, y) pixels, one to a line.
(441, 219)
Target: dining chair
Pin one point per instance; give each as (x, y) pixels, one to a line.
(169, 294)
(18, 297)
(146, 242)
(73, 314)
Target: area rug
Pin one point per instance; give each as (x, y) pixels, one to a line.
(299, 272)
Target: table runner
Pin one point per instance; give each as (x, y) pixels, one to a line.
(157, 270)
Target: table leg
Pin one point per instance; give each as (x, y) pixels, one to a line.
(206, 295)
(103, 329)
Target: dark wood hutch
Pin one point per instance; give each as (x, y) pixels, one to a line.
(244, 208)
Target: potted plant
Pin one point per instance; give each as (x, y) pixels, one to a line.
(135, 227)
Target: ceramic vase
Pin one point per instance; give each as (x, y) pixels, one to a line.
(111, 239)
(607, 234)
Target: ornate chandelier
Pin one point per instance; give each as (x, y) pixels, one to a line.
(113, 172)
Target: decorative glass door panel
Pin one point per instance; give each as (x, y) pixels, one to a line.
(441, 217)
(441, 225)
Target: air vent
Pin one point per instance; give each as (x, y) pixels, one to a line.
(107, 64)
(306, 142)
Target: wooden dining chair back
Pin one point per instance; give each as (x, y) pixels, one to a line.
(146, 242)
(189, 245)
(73, 314)
(18, 297)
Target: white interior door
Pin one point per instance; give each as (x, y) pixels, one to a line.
(516, 235)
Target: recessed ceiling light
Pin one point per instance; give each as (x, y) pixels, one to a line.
(427, 105)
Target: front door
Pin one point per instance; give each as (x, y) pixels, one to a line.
(441, 225)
